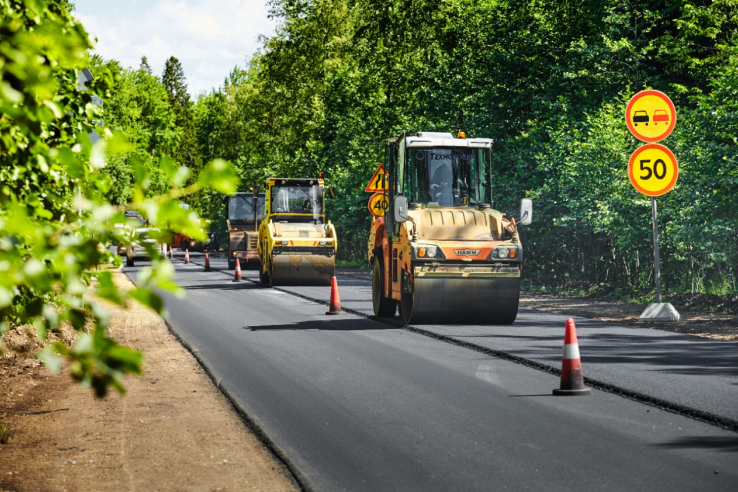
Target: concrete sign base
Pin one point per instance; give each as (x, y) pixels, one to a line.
(660, 312)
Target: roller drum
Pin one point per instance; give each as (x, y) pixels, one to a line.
(296, 269)
(462, 301)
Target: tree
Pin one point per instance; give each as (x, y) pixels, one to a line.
(175, 84)
(137, 107)
(145, 65)
(54, 217)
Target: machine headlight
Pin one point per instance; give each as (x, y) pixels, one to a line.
(427, 251)
(284, 243)
(323, 243)
(504, 252)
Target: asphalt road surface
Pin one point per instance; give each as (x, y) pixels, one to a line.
(353, 404)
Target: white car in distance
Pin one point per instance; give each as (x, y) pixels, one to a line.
(137, 251)
(125, 230)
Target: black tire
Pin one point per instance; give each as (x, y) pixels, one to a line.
(263, 277)
(231, 264)
(130, 262)
(406, 307)
(270, 275)
(383, 306)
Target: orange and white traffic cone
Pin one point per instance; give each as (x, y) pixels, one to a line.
(187, 256)
(237, 273)
(207, 263)
(572, 380)
(335, 306)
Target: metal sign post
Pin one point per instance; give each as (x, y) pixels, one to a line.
(656, 263)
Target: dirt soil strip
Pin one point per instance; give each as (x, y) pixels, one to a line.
(173, 430)
(715, 325)
(718, 326)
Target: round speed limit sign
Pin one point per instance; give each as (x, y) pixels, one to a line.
(653, 169)
(378, 204)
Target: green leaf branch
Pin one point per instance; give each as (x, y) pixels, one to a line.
(56, 222)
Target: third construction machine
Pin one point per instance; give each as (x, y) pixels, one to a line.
(440, 250)
(296, 244)
(243, 227)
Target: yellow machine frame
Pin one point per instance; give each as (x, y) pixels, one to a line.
(296, 248)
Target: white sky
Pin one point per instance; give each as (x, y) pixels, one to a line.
(209, 37)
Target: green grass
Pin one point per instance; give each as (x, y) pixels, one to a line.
(593, 291)
(5, 433)
(352, 264)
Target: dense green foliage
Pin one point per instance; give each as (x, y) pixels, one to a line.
(54, 216)
(137, 107)
(548, 81)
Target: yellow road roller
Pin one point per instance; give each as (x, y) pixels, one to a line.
(440, 251)
(244, 211)
(296, 244)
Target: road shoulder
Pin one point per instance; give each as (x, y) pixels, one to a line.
(173, 430)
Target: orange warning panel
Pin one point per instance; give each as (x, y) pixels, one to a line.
(375, 184)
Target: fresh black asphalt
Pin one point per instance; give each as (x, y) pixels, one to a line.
(692, 372)
(352, 404)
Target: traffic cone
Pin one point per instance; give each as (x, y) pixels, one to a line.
(237, 273)
(207, 263)
(187, 256)
(572, 380)
(335, 306)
